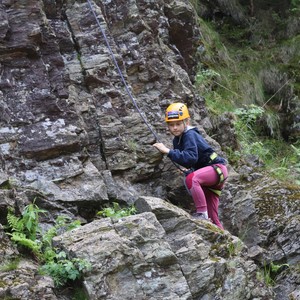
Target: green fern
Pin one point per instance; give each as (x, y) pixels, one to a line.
(14, 223)
(24, 229)
(21, 239)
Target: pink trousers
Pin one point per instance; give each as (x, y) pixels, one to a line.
(198, 184)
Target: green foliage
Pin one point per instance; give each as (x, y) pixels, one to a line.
(195, 4)
(204, 76)
(231, 76)
(21, 239)
(30, 219)
(62, 269)
(295, 162)
(234, 156)
(16, 224)
(270, 271)
(62, 223)
(248, 116)
(25, 231)
(271, 119)
(234, 247)
(295, 6)
(79, 294)
(279, 158)
(28, 224)
(116, 211)
(245, 126)
(231, 249)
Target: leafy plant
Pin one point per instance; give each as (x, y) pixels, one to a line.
(62, 269)
(28, 224)
(247, 116)
(25, 231)
(205, 76)
(295, 5)
(34, 246)
(231, 249)
(271, 271)
(116, 211)
(62, 223)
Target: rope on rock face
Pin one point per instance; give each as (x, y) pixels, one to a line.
(124, 81)
(120, 72)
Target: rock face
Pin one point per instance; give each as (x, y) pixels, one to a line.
(21, 281)
(72, 139)
(162, 254)
(63, 103)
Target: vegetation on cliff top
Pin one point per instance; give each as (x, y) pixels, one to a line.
(249, 70)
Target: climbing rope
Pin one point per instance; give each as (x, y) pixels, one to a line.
(120, 72)
(124, 81)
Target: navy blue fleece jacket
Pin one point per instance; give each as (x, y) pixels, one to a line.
(192, 151)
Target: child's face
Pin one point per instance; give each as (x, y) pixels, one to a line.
(176, 127)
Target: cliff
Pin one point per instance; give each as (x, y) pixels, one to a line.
(72, 140)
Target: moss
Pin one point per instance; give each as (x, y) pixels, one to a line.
(270, 207)
(219, 250)
(10, 265)
(6, 185)
(274, 201)
(5, 285)
(213, 228)
(295, 188)
(215, 259)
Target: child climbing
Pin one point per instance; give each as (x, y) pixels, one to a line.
(205, 170)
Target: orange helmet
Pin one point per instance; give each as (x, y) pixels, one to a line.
(176, 112)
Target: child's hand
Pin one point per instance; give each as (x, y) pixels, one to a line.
(162, 148)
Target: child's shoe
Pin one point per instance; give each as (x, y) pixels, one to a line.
(200, 216)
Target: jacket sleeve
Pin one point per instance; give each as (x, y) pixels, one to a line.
(187, 157)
